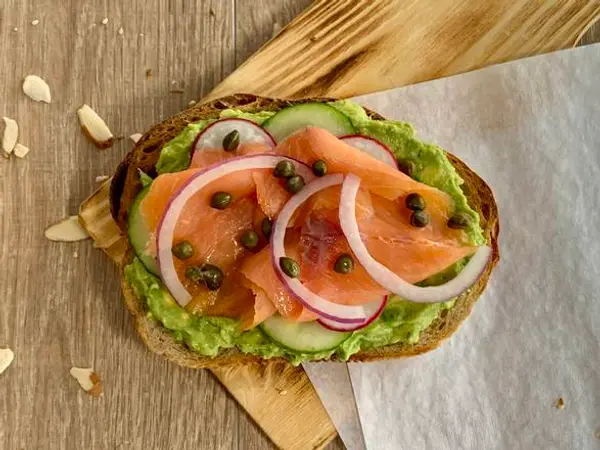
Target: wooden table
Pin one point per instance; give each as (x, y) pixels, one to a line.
(60, 304)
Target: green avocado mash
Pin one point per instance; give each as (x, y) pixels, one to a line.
(401, 321)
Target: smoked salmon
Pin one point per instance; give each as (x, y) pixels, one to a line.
(252, 290)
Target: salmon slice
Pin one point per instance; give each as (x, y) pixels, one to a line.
(258, 269)
(262, 308)
(213, 233)
(321, 244)
(412, 256)
(312, 144)
(270, 192)
(329, 200)
(396, 216)
(239, 184)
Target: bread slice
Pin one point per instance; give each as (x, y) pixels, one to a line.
(126, 185)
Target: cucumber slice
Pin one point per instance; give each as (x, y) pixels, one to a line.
(294, 118)
(309, 337)
(139, 235)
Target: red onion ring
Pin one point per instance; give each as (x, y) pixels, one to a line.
(343, 314)
(376, 308)
(168, 222)
(388, 279)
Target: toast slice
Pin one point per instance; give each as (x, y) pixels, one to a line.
(126, 185)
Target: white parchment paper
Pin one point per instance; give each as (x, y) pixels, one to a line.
(531, 129)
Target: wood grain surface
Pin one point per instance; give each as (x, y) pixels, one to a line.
(344, 48)
(58, 308)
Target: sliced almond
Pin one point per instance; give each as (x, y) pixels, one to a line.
(36, 89)
(20, 150)
(135, 137)
(102, 178)
(88, 380)
(95, 128)
(67, 230)
(11, 134)
(6, 358)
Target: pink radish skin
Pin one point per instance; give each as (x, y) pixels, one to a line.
(250, 133)
(373, 147)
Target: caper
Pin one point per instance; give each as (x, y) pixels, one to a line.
(194, 274)
(183, 250)
(212, 276)
(319, 168)
(249, 240)
(290, 267)
(407, 167)
(266, 226)
(459, 221)
(294, 184)
(231, 141)
(284, 169)
(415, 202)
(220, 200)
(208, 274)
(344, 264)
(419, 219)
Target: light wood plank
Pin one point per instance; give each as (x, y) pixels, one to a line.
(348, 47)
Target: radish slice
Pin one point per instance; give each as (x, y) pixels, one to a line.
(166, 226)
(373, 147)
(375, 308)
(212, 136)
(356, 315)
(388, 279)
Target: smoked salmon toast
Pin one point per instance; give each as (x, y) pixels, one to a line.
(298, 230)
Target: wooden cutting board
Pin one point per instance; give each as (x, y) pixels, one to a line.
(344, 48)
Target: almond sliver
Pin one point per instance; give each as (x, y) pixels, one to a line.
(20, 150)
(6, 358)
(88, 380)
(94, 127)
(11, 134)
(67, 230)
(36, 89)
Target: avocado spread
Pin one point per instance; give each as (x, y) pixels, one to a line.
(401, 321)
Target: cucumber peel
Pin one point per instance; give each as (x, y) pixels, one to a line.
(294, 118)
(308, 337)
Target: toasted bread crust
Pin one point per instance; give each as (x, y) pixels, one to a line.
(144, 156)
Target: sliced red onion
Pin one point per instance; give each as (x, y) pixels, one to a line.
(317, 304)
(212, 136)
(374, 308)
(168, 222)
(388, 279)
(373, 147)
